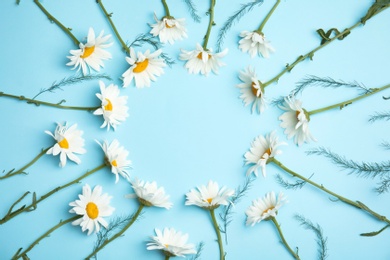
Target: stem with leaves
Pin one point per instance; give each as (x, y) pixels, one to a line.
(54, 20)
(211, 24)
(295, 255)
(260, 29)
(27, 208)
(218, 232)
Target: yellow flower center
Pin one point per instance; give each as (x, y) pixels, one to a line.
(199, 56)
(108, 107)
(297, 113)
(166, 245)
(64, 143)
(141, 66)
(114, 163)
(265, 211)
(88, 51)
(166, 25)
(92, 210)
(254, 90)
(209, 200)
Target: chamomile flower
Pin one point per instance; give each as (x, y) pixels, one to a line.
(116, 157)
(92, 206)
(202, 61)
(92, 53)
(252, 91)
(295, 121)
(262, 150)
(113, 109)
(264, 208)
(144, 67)
(169, 29)
(210, 196)
(68, 142)
(149, 194)
(255, 44)
(171, 242)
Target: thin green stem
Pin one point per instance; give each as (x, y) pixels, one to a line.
(22, 170)
(218, 232)
(120, 233)
(356, 204)
(260, 29)
(166, 257)
(38, 103)
(166, 8)
(46, 234)
(11, 214)
(295, 255)
(53, 19)
(347, 102)
(108, 16)
(211, 23)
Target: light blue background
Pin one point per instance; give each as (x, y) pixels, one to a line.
(185, 130)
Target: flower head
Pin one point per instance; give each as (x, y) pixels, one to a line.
(68, 142)
(169, 29)
(92, 53)
(93, 206)
(210, 196)
(116, 157)
(171, 242)
(295, 121)
(201, 60)
(264, 208)
(113, 109)
(149, 194)
(255, 43)
(252, 91)
(262, 149)
(144, 67)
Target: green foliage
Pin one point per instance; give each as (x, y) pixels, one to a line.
(199, 250)
(376, 8)
(325, 36)
(192, 10)
(379, 116)
(287, 185)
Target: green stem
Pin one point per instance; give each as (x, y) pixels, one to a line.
(211, 23)
(46, 234)
(166, 257)
(350, 101)
(53, 19)
(260, 29)
(218, 232)
(22, 170)
(356, 204)
(295, 255)
(107, 241)
(38, 102)
(11, 214)
(166, 8)
(108, 16)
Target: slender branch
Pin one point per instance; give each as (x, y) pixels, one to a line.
(211, 23)
(217, 231)
(53, 19)
(260, 29)
(295, 255)
(11, 214)
(106, 242)
(22, 170)
(46, 234)
(166, 8)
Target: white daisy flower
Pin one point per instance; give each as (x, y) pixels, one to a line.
(91, 54)
(262, 150)
(171, 242)
(255, 43)
(144, 67)
(116, 157)
(113, 109)
(93, 206)
(209, 197)
(169, 29)
(68, 142)
(295, 121)
(149, 194)
(201, 60)
(264, 208)
(252, 92)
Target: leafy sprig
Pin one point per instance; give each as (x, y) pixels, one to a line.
(199, 249)
(287, 185)
(384, 185)
(193, 11)
(380, 116)
(385, 145)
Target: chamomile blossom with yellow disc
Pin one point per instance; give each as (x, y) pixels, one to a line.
(144, 67)
(116, 158)
(202, 60)
(169, 29)
(255, 44)
(113, 108)
(252, 91)
(262, 150)
(171, 242)
(91, 54)
(93, 206)
(68, 143)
